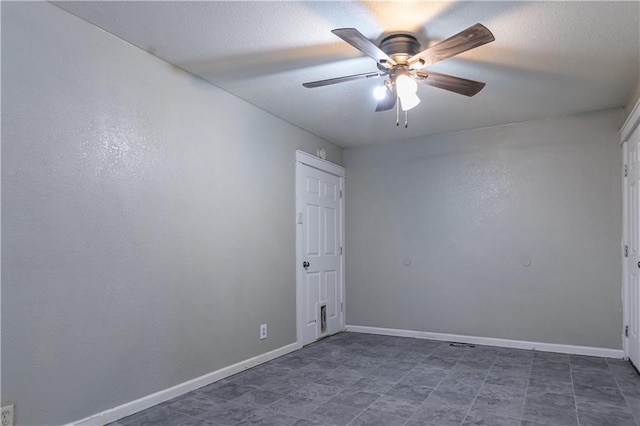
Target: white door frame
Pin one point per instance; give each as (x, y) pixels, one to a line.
(627, 129)
(334, 169)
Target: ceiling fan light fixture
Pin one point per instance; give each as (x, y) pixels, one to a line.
(406, 85)
(409, 101)
(407, 88)
(380, 92)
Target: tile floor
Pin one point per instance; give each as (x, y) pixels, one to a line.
(362, 379)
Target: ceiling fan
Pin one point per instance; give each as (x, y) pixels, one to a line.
(400, 59)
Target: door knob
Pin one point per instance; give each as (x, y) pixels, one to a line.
(305, 264)
(638, 264)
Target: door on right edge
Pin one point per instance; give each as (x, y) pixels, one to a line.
(632, 187)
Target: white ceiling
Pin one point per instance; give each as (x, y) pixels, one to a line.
(548, 59)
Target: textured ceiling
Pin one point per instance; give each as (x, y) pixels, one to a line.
(548, 59)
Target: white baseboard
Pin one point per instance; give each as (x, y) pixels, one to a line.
(145, 402)
(490, 341)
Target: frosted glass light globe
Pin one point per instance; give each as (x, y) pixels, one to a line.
(380, 92)
(407, 87)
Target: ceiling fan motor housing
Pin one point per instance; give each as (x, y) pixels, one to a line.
(400, 47)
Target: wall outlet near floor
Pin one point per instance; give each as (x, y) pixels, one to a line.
(263, 331)
(7, 416)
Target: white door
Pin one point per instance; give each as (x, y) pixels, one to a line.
(319, 221)
(632, 188)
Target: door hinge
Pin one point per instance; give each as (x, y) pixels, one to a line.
(626, 251)
(626, 171)
(340, 251)
(341, 192)
(626, 331)
(341, 306)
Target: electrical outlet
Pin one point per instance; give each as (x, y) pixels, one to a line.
(263, 331)
(7, 415)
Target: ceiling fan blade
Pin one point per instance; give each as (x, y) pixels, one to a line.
(450, 83)
(388, 101)
(336, 80)
(363, 44)
(474, 36)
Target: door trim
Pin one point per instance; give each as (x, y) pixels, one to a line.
(320, 164)
(336, 170)
(630, 123)
(625, 238)
(626, 131)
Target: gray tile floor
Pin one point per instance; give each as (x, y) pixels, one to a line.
(362, 379)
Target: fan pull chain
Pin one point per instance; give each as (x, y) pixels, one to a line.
(398, 112)
(406, 119)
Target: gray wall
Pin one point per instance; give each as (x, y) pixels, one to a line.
(147, 221)
(471, 210)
